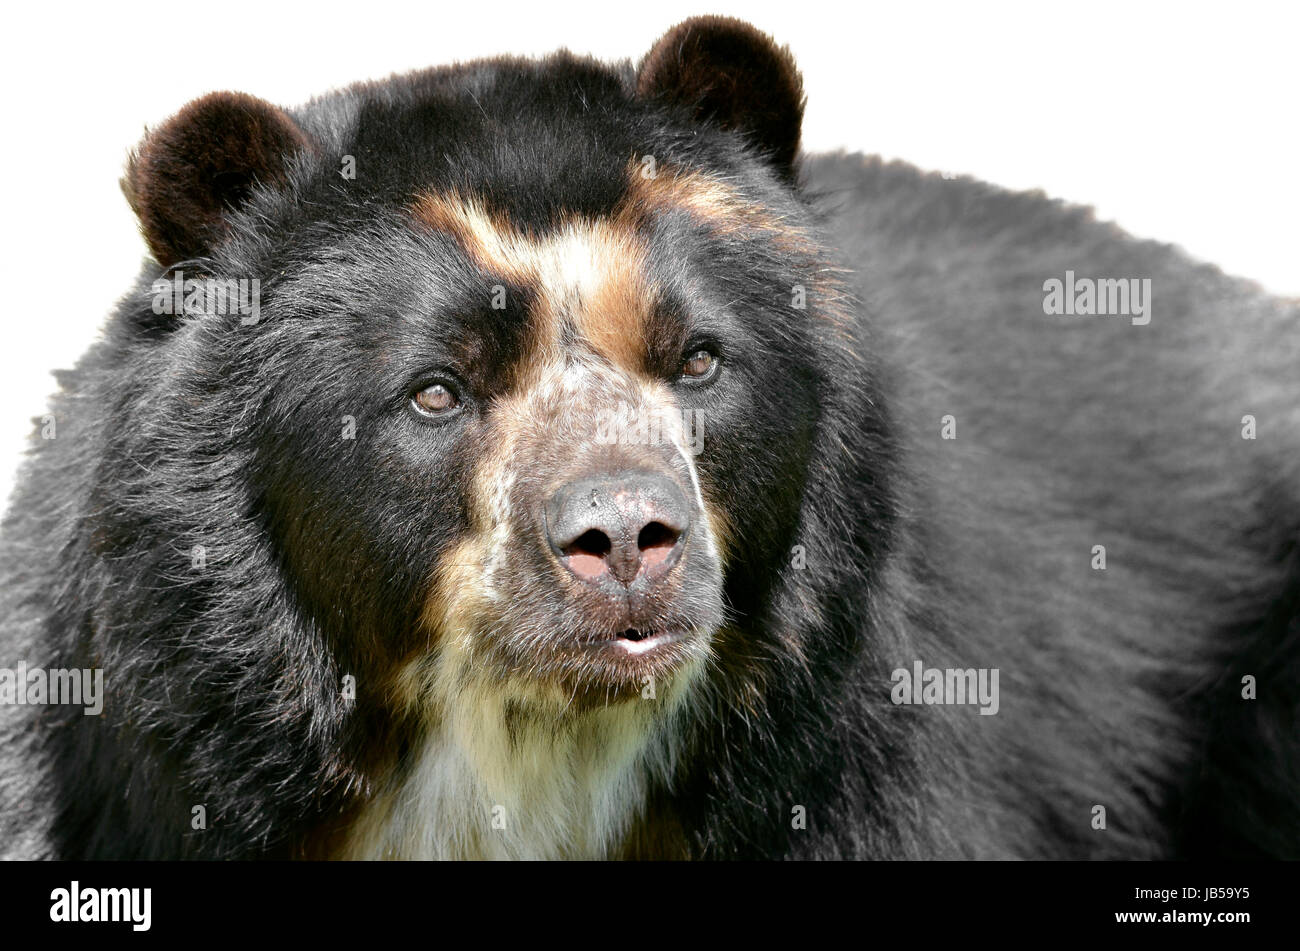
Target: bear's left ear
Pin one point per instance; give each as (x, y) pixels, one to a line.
(191, 172)
(726, 71)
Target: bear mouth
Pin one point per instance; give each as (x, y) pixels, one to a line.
(630, 655)
(639, 642)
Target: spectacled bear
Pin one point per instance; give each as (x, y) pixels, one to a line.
(546, 459)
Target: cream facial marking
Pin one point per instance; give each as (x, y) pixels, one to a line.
(591, 273)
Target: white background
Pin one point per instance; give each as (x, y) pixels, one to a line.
(1178, 121)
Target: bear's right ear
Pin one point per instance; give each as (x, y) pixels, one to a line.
(201, 164)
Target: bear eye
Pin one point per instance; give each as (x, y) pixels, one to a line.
(436, 399)
(700, 365)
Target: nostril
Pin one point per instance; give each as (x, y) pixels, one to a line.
(656, 542)
(592, 542)
(656, 535)
(588, 554)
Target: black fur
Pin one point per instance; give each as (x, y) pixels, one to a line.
(1119, 687)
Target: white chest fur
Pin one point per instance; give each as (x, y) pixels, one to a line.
(487, 786)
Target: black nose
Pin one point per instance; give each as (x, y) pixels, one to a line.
(626, 526)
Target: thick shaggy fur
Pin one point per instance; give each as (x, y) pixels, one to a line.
(366, 557)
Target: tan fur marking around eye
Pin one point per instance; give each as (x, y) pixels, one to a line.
(490, 242)
(714, 203)
(592, 273)
(725, 212)
(690, 191)
(615, 309)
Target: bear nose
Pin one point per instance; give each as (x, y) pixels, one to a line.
(625, 526)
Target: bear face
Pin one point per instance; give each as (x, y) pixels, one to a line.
(526, 421)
